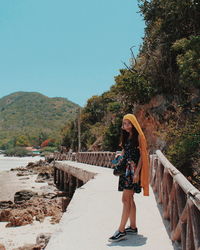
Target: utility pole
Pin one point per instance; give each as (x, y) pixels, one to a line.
(79, 130)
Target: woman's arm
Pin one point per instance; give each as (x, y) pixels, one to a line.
(123, 160)
(139, 166)
(137, 170)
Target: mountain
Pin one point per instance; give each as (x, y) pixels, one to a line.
(33, 115)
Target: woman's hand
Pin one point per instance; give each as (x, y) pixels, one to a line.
(132, 163)
(136, 178)
(118, 155)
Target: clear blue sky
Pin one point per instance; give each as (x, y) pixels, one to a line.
(64, 48)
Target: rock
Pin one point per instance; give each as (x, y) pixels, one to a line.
(29, 247)
(56, 218)
(24, 195)
(18, 169)
(2, 247)
(42, 177)
(5, 215)
(60, 193)
(49, 195)
(5, 204)
(20, 220)
(30, 164)
(22, 174)
(51, 182)
(49, 158)
(43, 239)
(36, 208)
(29, 206)
(40, 217)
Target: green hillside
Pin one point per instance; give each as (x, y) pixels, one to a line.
(30, 117)
(161, 86)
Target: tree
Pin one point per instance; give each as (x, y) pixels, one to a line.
(166, 23)
(188, 60)
(22, 141)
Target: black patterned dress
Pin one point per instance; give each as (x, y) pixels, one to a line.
(131, 153)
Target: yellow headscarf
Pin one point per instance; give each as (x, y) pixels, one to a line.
(144, 176)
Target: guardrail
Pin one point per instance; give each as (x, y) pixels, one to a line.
(179, 198)
(180, 201)
(94, 158)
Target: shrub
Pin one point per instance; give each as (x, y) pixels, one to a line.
(16, 151)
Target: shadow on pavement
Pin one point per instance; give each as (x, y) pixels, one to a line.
(131, 240)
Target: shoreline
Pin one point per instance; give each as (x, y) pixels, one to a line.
(12, 183)
(8, 162)
(48, 201)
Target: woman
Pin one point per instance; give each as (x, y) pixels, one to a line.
(136, 162)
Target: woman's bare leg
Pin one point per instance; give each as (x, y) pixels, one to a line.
(132, 215)
(126, 199)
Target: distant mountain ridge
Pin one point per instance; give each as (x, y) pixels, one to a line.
(30, 113)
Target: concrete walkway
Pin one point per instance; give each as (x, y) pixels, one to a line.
(94, 214)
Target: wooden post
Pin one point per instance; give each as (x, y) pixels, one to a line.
(61, 186)
(58, 177)
(55, 175)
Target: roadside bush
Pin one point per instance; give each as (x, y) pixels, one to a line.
(16, 151)
(183, 151)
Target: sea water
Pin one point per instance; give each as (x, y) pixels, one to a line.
(6, 163)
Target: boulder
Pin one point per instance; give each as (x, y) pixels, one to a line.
(22, 174)
(20, 220)
(43, 239)
(24, 195)
(5, 204)
(5, 215)
(42, 177)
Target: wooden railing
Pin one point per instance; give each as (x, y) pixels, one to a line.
(57, 156)
(102, 159)
(96, 158)
(180, 201)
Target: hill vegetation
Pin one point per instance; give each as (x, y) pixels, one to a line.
(161, 86)
(167, 67)
(30, 118)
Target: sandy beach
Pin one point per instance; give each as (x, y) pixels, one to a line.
(14, 237)
(10, 183)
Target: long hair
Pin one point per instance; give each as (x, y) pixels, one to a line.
(124, 137)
